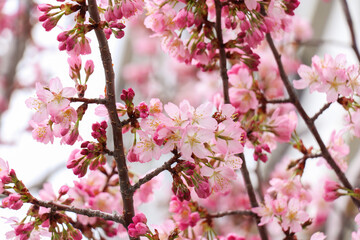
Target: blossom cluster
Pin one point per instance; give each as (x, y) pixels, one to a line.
(286, 201)
(54, 117)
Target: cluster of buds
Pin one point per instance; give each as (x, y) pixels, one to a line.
(192, 178)
(116, 29)
(91, 154)
(128, 96)
(75, 65)
(51, 19)
(259, 153)
(138, 227)
(99, 132)
(75, 41)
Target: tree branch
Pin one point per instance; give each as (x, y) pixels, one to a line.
(351, 28)
(119, 154)
(308, 121)
(228, 213)
(156, 172)
(225, 80)
(252, 196)
(326, 106)
(81, 211)
(88, 100)
(223, 70)
(276, 101)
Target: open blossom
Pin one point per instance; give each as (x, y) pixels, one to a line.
(327, 75)
(42, 132)
(193, 142)
(4, 168)
(55, 96)
(265, 211)
(146, 148)
(219, 178)
(294, 217)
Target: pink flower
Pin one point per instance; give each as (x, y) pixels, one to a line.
(41, 109)
(55, 96)
(294, 217)
(4, 168)
(219, 178)
(265, 211)
(42, 132)
(146, 148)
(243, 99)
(282, 125)
(193, 142)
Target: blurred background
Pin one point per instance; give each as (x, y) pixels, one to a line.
(28, 54)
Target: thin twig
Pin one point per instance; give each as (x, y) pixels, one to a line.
(326, 106)
(156, 172)
(119, 154)
(228, 213)
(351, 28)
(88, 100)
(308, 121)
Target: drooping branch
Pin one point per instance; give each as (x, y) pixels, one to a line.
(82, 211)
(156, 172)
(119, 154)
(308, 121)
(351, 28)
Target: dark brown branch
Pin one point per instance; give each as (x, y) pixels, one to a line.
(252, 196)
(119, 154)
(156, 172)
(228, 213)
(351, 28)
(308, 121)
(326, 106)
(225, 80)
(223, 69)
(88, 100)
(83, 211)
(276, 101)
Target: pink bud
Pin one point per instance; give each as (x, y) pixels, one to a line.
(89, 67)
(50, 23)
(140, 217)
(119, 34)
(45, 7)
(63, 190)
